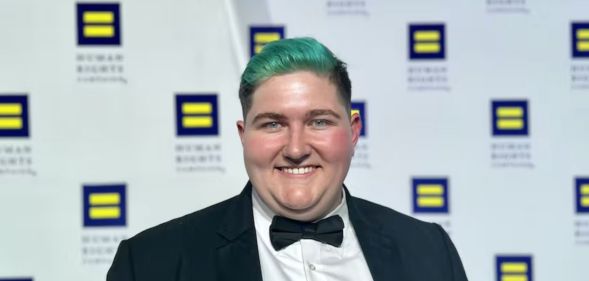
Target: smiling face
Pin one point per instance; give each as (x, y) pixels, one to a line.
(298, 140)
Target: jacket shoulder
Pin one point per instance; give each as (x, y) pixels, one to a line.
(203, 222)
(427, 250)
(174, 248)
(386, 216)
(402, 227)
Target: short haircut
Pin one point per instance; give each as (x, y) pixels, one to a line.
(291, 55)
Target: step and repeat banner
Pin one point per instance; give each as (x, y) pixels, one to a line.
(116, 116)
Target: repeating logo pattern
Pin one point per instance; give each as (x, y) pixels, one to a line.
(582, 194)
(262, 35)
(430, 195)
(510, 117)
(514, 268)
(104, 205)
(197, 115)
(360, 108)
(14, 116)
(580, 39)
(99, 24)
(427, 41)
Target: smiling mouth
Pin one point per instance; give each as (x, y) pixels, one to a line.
(298, 170)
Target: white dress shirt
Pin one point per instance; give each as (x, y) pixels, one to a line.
(309, 259)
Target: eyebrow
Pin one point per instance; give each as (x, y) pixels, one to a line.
(319, 112)
(268, 115)
(281, 117)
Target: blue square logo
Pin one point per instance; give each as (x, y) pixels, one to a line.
(427, 42)
(359, 107)
(104, 205)
(582, 195)
(99, 24)
(197, 115)
(510, 118)
(14, 116)
(262, 35)
(430, 195)
(514, 267)
(580, 39)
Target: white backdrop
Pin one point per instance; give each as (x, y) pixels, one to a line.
(101, 113)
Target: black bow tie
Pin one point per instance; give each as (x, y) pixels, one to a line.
(284, 231)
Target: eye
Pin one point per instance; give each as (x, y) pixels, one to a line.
(320, 123)
(273, 125)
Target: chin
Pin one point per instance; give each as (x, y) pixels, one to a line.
(298, 206)
(297, 202)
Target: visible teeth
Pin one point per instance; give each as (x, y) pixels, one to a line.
(298, 171)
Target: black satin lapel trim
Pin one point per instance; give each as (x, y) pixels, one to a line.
(379, 248)
(239, 259)
(237, 255)
(382, 256)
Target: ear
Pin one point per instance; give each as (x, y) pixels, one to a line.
(241, 130)
(356, 124)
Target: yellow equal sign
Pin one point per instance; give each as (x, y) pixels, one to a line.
(430, 195)
(426, 41)
(98, 24)
(197, 115)
(11, 116)
(514, 271)
(355, 111)
(582, 35)
(105, 205)
(510, 117)
(584, 194)
(263, 38)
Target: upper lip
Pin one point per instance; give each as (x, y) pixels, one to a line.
(297, 166)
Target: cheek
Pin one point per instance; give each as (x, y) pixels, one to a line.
(260, 150)
(336, 145)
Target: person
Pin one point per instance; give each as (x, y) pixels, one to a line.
(295, 219)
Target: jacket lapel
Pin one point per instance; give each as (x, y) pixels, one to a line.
(378, 246)
(237, 250)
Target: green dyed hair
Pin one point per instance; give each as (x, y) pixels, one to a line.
(290, 55)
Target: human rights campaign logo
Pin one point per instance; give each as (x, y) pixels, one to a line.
(427, 41)
(360, 108)
(14, 116)
(99, 24)
(104, 205)
(430, 195)
(514, 268)
(582, 194)
(580, 39)
(197, 115)
(510, 118)
(262, 35)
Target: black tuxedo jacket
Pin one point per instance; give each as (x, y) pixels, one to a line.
(219, 243)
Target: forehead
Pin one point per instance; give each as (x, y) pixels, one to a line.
(301, 88)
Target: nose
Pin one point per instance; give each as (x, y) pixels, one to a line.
(297, 148)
